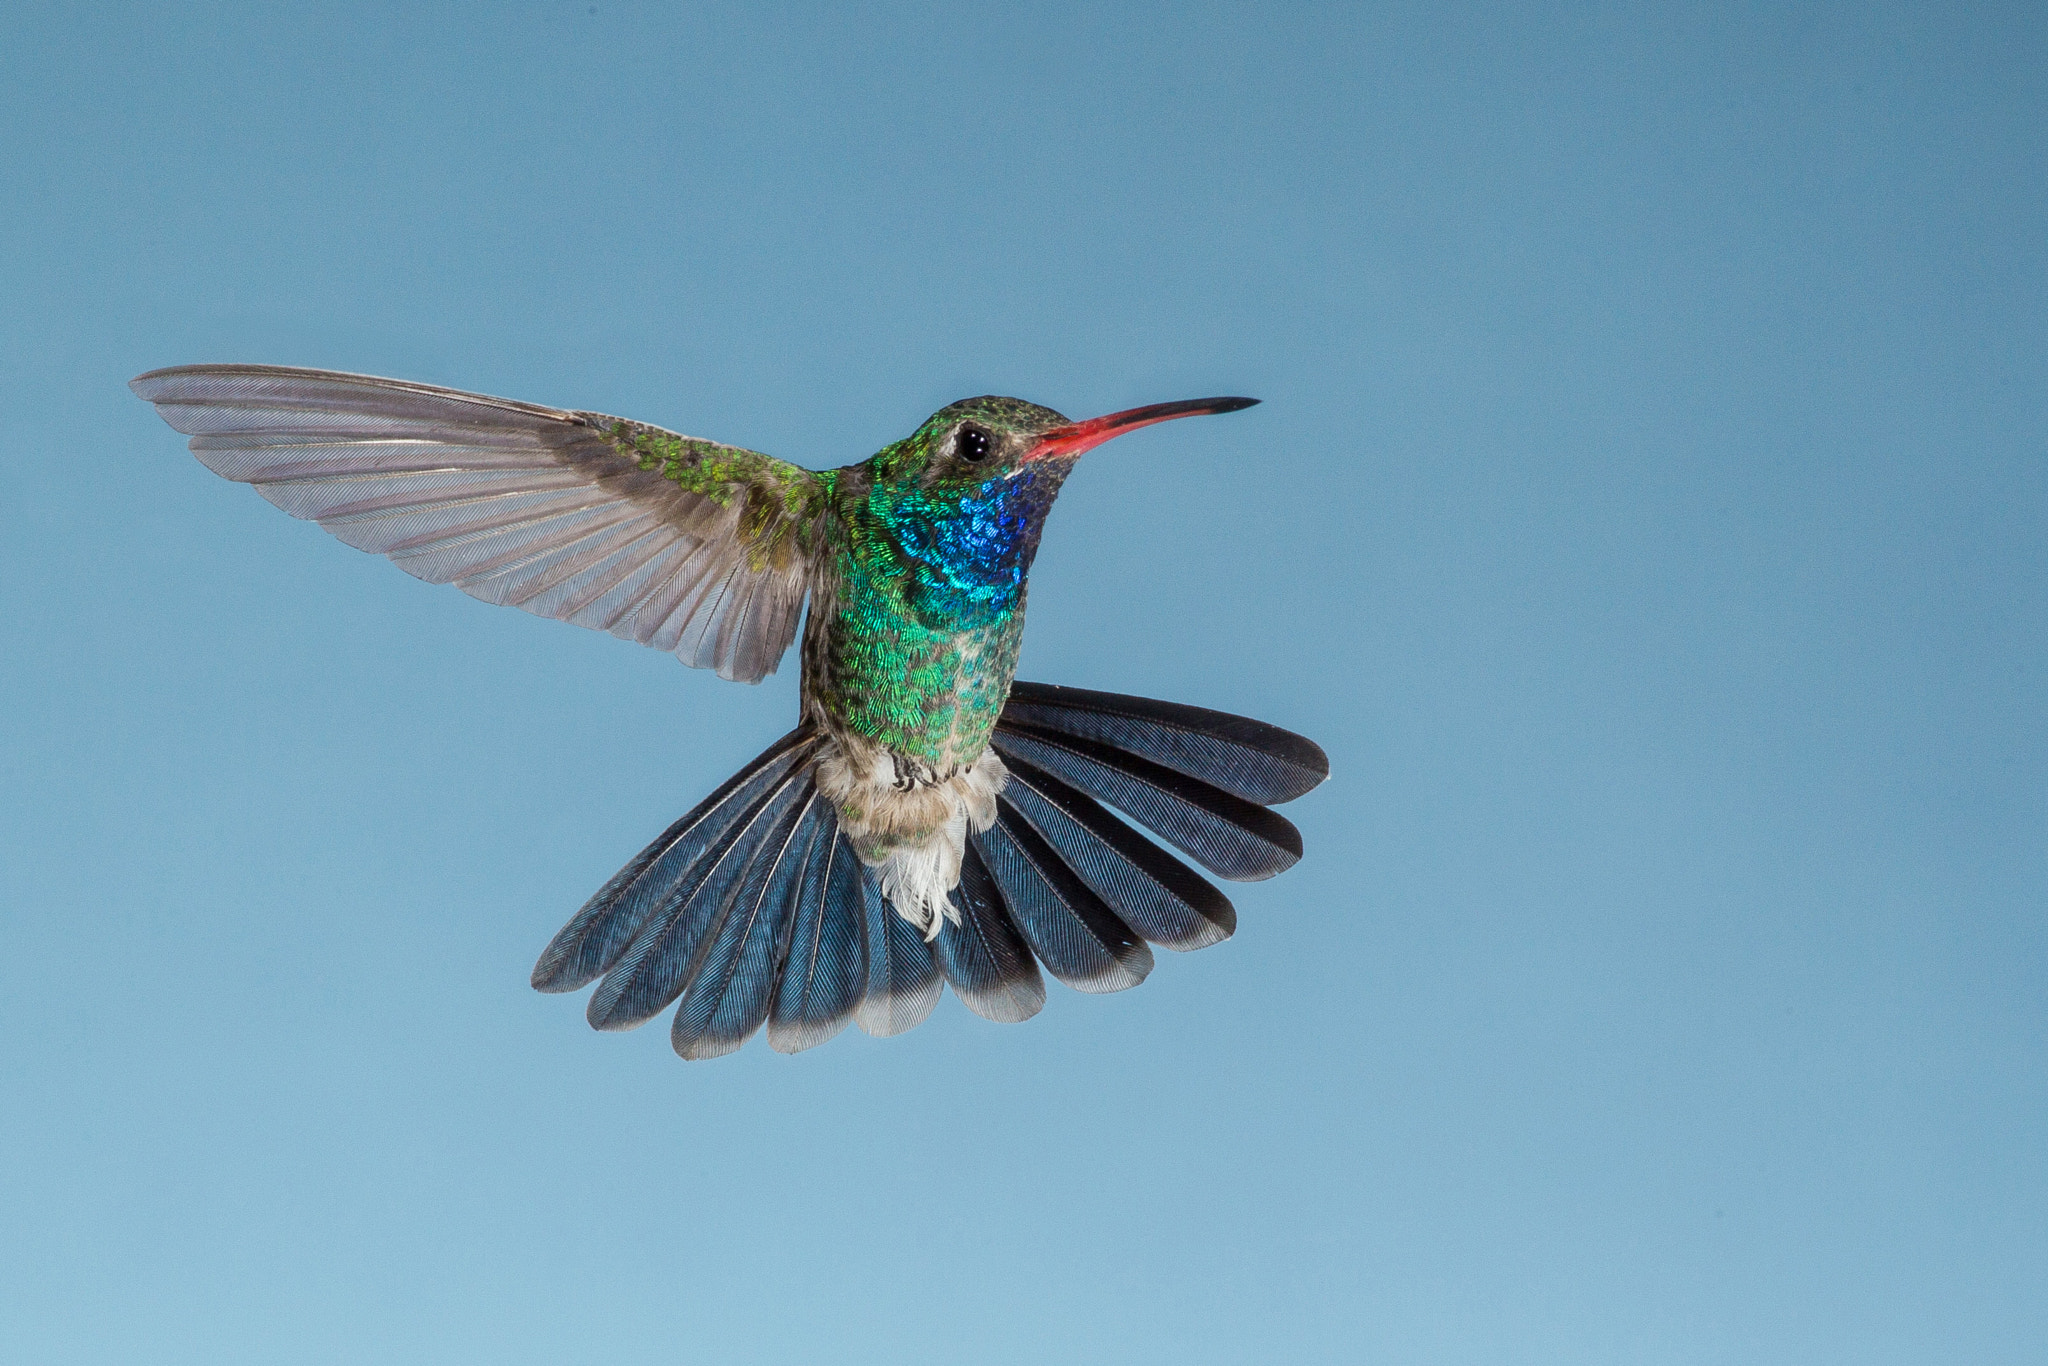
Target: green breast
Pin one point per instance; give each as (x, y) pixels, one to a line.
(911, 686)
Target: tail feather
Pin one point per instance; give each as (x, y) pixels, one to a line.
(727, 997)
(595, 936)
(665, 956)
(1155, 893)
(823, 966)
(902, 980)
(1246, 758)
(754, 908)
(1228, 835)
(984, 958)
(1071, 929)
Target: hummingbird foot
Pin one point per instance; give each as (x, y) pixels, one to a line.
(913, 832)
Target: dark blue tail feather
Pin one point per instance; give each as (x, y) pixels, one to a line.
(985, 960)
(823, 968)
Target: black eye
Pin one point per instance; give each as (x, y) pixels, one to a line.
(973, 445)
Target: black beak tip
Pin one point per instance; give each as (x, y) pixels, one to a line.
(1231, 405)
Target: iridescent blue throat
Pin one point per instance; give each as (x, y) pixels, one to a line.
(971, 552)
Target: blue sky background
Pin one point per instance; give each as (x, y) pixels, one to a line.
(1646, 514)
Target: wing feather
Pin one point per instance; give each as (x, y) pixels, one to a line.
(702, 549)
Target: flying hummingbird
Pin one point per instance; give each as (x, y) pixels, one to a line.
(929, 818)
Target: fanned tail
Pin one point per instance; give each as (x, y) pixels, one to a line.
(754, 909)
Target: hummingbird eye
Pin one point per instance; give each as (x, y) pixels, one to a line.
(972, 444)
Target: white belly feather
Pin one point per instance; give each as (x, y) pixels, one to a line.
(909, 823)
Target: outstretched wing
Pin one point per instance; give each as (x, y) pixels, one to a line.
(686, 545)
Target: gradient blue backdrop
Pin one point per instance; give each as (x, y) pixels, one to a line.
(1646, 513)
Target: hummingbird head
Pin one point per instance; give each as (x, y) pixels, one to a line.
(967, 444)
(963, 499)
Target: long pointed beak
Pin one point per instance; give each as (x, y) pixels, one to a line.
(1077, 437)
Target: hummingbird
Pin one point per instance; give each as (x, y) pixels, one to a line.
(930, 819)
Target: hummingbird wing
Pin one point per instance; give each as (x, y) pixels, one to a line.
(690, 546)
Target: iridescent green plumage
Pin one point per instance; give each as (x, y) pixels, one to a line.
(920, 603)
(916, 558)
(780, 503)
